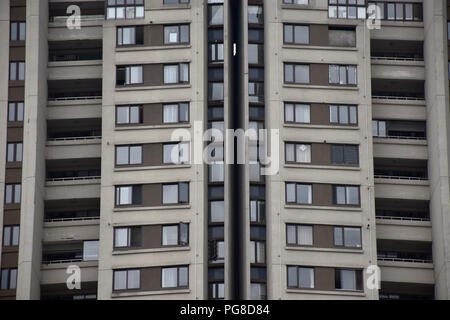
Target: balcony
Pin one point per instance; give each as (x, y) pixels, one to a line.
(69, 211)
(388, 50)
(404, 251)
(401, 169)
(402, 210)
(389, 89)
(74, 130)
(77, 50)
(77, 90)
(73, 169)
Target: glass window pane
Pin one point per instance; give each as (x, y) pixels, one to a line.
(170, 153)
(302, 74)
(304, 194)
(170, 113)
(352, 237)
(134, 279)
(291, 234)
(135, 155)
(302, 113)
(183, 277)
(15, 235)
(184, 112)
(125, 195)
(290, 152)
(122, 155)
(10, 152)
(290, 192)
(338, 236)
(340, 195)
(170, 235)
(306, 277)
(334, 114)
(14, 31)
(4, 279)
(21, 70)
(121, 237)
(348, 280)
(184, 72)
(9, 193)
(170, 194)
(13, 71)
(217, 211)
(169, 277)
(17, 193)
(12, 278)
(184, 33)
(288, 33)
(7, 236)
(171, 34)
(19, 149)
(333, 74)
(343, 114)
(184, 192)
(353, 117)
(120, 280)
(171, 74)
(123, 115)
(301, 34)
(289, 73)
(90, 250)
(289, 112)
(305, 235)
(12, 112)
(292, 277)
(303, 153)
(353, 195)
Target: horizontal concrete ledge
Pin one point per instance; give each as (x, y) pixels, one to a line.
(322, 208)
(155, 250)
(77, 223)
(64, 103)
(321, 292)
(53, 64)
(405, 63)
(152, 168)
(151, 208)
(136, 48)
(165, 126)
(74, 142)
(355, 251)
(71, 183)
(399, 264)
(141, 88)
(404, 223)
(149, 293)
(305, 166)
(81, 264)
(402, 182)
(400, 141)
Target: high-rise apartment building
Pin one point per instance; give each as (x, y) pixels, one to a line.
(103, 197)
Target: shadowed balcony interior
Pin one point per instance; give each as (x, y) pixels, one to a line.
(398, 89)
(396, 50)
(72, 210)
(401, 169)
(404, 251)
(74, 129)
(75, 50)
(73, 169)
(75, 89)
(390, 209)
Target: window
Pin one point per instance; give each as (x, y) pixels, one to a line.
(128, 195)
(127, 279)
(216, 211)
(296, 34)
(215, 91)
(216, 171)
(343, 115)
(298, 193)
(129, 114)
(302, 2)
(379, 128)
(16, 71)
(13, 193)
(90, 250)
(257, 252)
(296, 73)
(348, 279)
(15, 111)
(175, 277)
(14, 152)
(129, 75)
(130, 35)
(127, 237)
(256, 92)
(257, 211)
(399, 11)
(345, 154)
(216, 250)
(347, 237)
(125, 9)
(300, 277)
(176, 153)
(255, 53)
(342, 36)
(215, 15)
(176, 193)
(297, 152)
(258, 291)
(8, 279)
(301, 235)
(342, 75)
(347, 9)
(176, 73)
(128, 155)
(255, 14)
(216, 52)
(298, 113)
(175, 235)
(346, 195)
(217, 290)
(176, 34)
(18, 31)
(176, 112)
(11, 236)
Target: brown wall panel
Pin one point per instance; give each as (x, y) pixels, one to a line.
(154, 35)
(323, 236)
(15, 134)
(151, 279)
(151, 236)
(320, 154)
(13, 175)
(152, 154)
(9, 259)
(153, 75)
(152, 195)
(319, 74)
(318, 34)
(324, 278)
(322, 194)
(16, 94)
(17, 53)
(320, 114)
(153, 114)
(18, 14)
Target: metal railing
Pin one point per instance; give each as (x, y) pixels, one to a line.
(75, 98)
(62, 261)
(73, 178)
(384, 97)
(92, 17)
(72, 219)
(404, 260)
(402, 218)
(400, 178)
(393, 58)
(75, 138)
(400, 137)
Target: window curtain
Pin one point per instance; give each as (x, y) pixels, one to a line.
(170, 194)
(134, 279)
(169, 277)
(170, 74)
(170, 113)
(303, 153)
(302, 113)
(305, 235)
(306, 277)
(348, 280)
(170, 235)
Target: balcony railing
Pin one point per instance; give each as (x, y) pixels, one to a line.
(73, 178)
(86, 97)
(391, 97)
(401, 137)
(385, 57)
(62, 261)
(75, 138)
(398, 218)
(400, 178)
(404, 260)
(72, 219)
